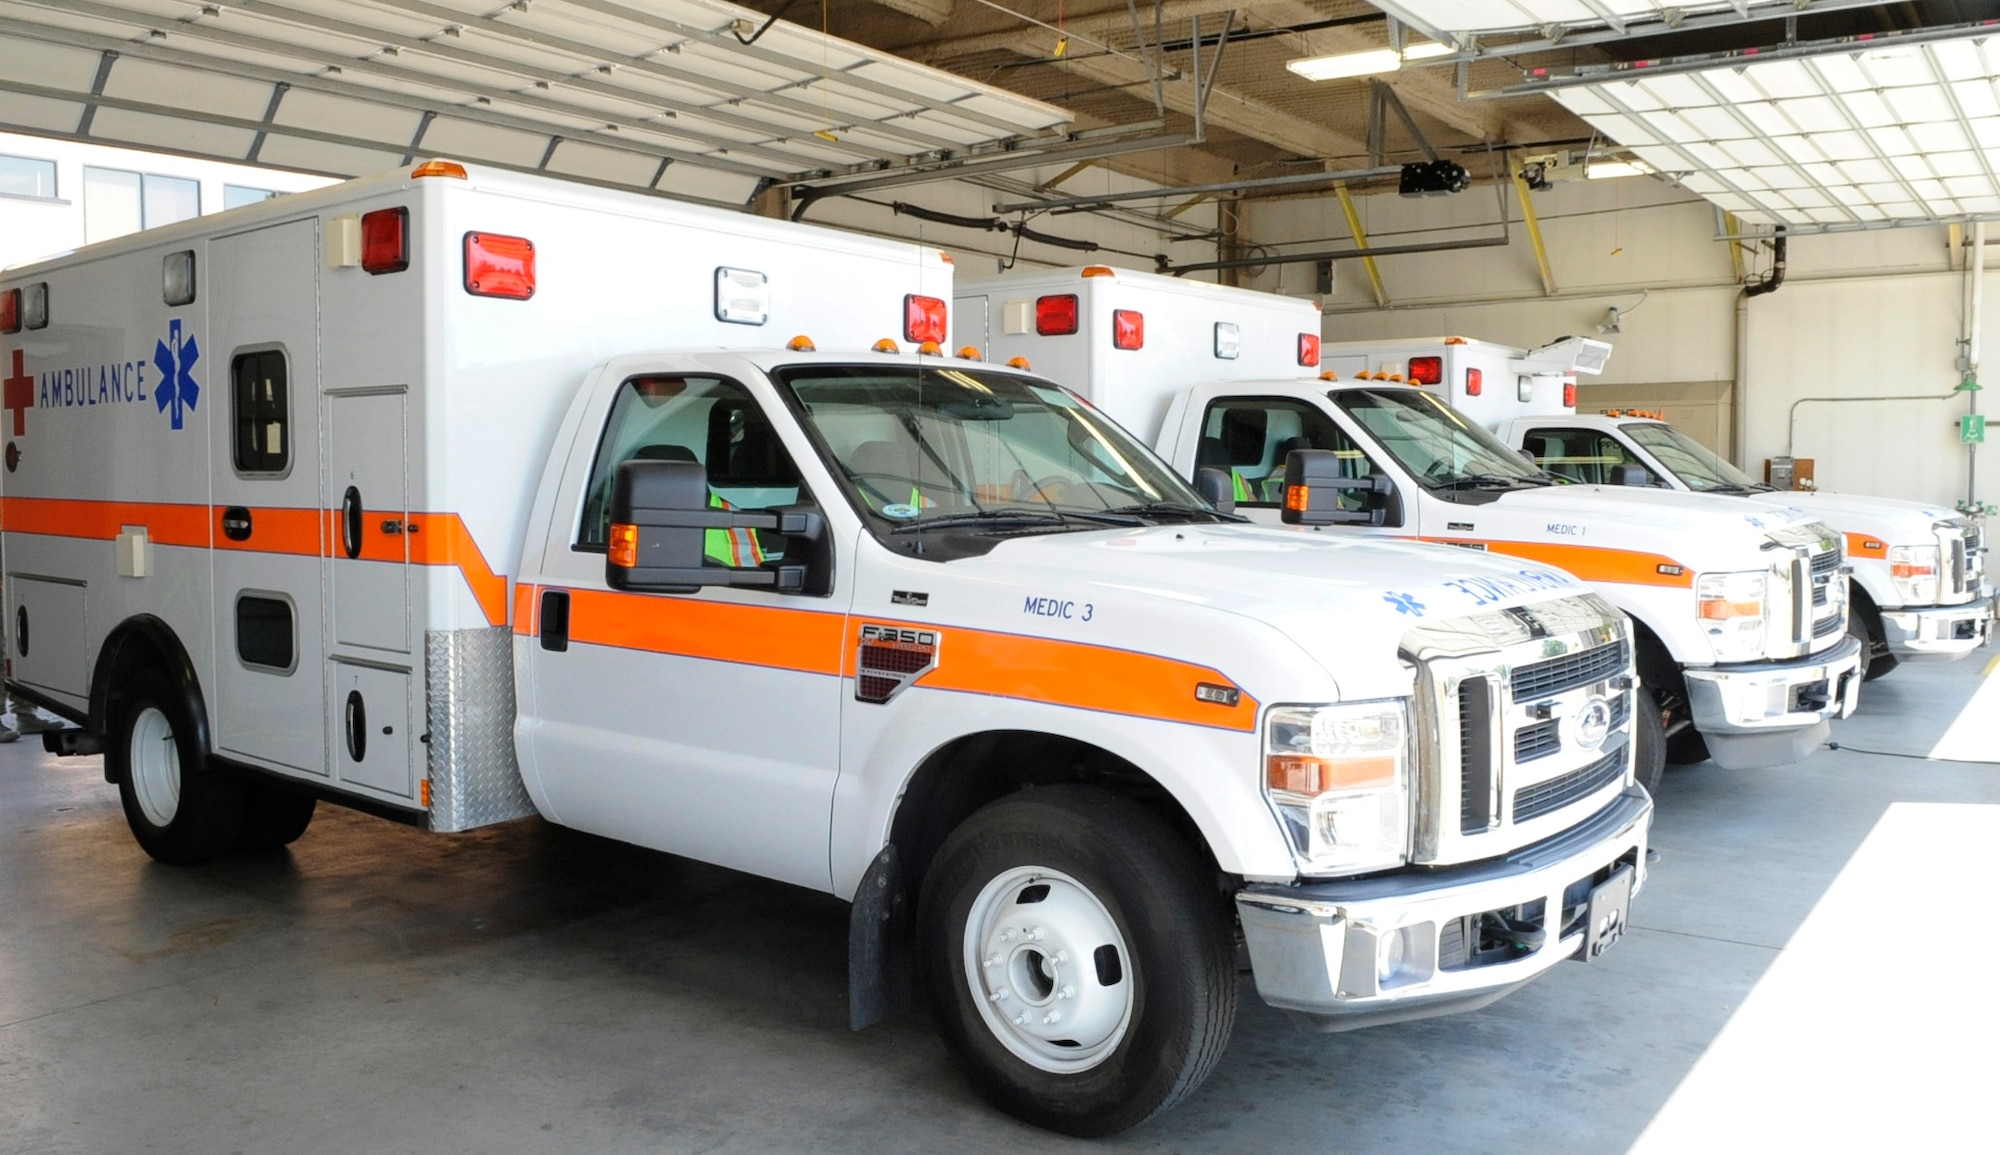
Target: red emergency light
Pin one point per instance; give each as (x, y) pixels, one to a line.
(499, 266)
(1474, 382)
(1309, 349)
(10, 311)
(385, 241)
(1569, 394)
(1056, 316)
(1128, 329)
(1426, 370)
(923, 319)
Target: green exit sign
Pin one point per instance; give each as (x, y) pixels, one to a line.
(1972, 428)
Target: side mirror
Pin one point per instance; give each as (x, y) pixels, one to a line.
(660, 520)
(1216, 489)
(1625, 474)
(1314, 485)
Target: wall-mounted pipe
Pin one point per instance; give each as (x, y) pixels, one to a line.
(1775, 277)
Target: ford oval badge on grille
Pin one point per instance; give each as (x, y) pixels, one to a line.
(1589, 725)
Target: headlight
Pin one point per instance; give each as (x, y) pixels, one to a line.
(1339, 779)
(1732, 611)
(1914, 568)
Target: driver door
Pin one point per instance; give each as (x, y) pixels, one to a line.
(1250, 437)
(704, 724)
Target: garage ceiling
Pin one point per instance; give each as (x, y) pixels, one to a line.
(658, 94)
(1883, 132)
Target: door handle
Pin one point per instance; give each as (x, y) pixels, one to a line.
(391, 525)
(236, 523)
(555, 620)
(350, 522)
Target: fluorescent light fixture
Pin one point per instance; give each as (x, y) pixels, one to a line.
(1370, 63)
(1346, 65)
(1605, 169)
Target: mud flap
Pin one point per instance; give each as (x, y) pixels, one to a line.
(878, 944)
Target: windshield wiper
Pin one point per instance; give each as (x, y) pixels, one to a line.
(1020, 518)
(1487, 481)
(1174, 509)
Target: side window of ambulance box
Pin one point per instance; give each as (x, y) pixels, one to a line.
(266, 631)
(1249, 438)
(707, 420)
(260, 413)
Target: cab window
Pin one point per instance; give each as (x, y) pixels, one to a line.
(1581, 455)
(1249, 438)
(713, 422)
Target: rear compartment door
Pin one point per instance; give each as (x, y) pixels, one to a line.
(270, 534)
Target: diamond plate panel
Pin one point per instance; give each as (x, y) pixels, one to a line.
(475, 780)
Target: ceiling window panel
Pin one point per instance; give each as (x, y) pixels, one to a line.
(1899, 67)
(1769, 118)
(1939, 136)
(1799, 150)
(1624, 130)
(1752, 152)
(1662, 158)
(1869, 109)
(1893, 141)
(1703, 184)
(1868, 212)
(1825, 175)
(1841, 73)
(1759, 218)
(1676, 91)
(1747, 180)
(1814, 114)
(1949, 164)
(1930, 190)
(1710, 155)
(1633, 96)
(1919, 105)
(1903, 210)
(1986, 132)
(1714, 123)
(1843, 145)
(1807, 198)
(1733, 87)
(1848, 195)
(1786, 78)
(1976, 97)
(1584, 102)
(1968, 186)
(1959, 59)
(1730, 202)
(1828, 216)
(1985, 204)
(1885, 192)
(1911, 167)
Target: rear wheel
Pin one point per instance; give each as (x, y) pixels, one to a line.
(180, 810)
(274, 816)
(1080, 964)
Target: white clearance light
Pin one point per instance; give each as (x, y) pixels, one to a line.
(742, 296)
(1368, 63)
(1228, 341)
(1843, 140)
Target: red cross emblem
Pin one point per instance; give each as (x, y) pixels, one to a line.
(20, 394)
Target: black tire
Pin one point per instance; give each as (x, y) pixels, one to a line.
(1864, 627)
(179, 809)
(1649, 742)
(1178, 960)
(274, 816)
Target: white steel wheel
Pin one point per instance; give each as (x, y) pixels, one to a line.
(1048, 969)
(154, 761)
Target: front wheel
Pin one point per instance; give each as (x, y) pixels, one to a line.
(179, 810)
(1079, 962)
(1649, 742)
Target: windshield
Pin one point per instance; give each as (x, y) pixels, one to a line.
(922, 448)
(1694, 463)
(1439, 445)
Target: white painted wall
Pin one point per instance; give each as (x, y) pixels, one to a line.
(31, 228)
(1858, 315)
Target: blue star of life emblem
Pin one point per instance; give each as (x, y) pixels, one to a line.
(1405, 604)
(177, 387)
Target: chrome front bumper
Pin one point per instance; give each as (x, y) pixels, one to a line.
(1939, 632)
(1315, 948)
(1773, 713)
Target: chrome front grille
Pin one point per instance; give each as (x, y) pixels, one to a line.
(1525, 708)
(1558, 792)
(1568, 672)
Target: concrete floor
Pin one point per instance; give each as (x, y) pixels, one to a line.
(528, 989)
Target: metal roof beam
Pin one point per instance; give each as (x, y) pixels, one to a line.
(104, 63)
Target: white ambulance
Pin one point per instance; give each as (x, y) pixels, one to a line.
(459, 496)
(1919, 583)
(1740, 612)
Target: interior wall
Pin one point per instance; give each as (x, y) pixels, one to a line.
(1858, 315)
